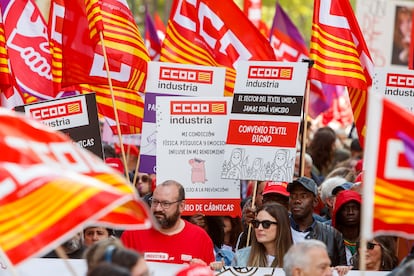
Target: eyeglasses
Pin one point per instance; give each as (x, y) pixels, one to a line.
(164, 204)
(265, 223)
(143, 178)
(370, 245)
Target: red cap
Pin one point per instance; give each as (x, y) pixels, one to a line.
(115, 163)
(276, 188)
(196, 270)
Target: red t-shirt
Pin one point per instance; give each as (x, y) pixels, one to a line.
(192, 242)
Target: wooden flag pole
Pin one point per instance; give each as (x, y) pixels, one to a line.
(62, 255)
(305, 122)
(249, 229)
(118, 126)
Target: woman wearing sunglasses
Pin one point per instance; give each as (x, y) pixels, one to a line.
(271, 239)
(380, 254)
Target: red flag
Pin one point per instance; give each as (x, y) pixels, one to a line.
(289, 45)
(253, 10)
(5, 77)
(28, 48)
(388, 180)
(159, 26)
(130, 106)
(127, 55)
(340, 53)
(214, 33)
(51, 188)
(152, 40)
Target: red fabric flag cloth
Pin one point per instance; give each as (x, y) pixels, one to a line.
(129, 103)
(126, 53)
(213, 33)
(388, 169)
(52, 188)
(152, 40)
(340, 53)
(5, 77)
(28, 50)
(289, 45)
(127, 57)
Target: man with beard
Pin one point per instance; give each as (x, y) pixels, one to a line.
(302, 201)
(175, 240)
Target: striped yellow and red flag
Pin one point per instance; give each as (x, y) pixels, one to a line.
(340, 53)
(52, 188)
(221, 37)
(5, 77)
(130, 106)
(87, 26)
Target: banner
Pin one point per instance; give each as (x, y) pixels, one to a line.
(264, 121)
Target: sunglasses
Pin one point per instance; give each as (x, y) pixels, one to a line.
(265, 223)
(143, 178)
(370, 245)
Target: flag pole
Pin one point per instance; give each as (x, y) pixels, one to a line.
(305, 121)
(249, 229)
(118, 127)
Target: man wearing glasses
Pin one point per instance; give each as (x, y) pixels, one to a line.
(174, 240)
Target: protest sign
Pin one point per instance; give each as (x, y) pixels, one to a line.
(76, 116)
(191, 134)
(172, 79)
(264, 121)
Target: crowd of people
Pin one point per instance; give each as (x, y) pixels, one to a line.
(309, 226)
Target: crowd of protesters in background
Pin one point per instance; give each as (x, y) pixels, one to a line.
(316, 216)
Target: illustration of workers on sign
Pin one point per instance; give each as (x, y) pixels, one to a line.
(235, 168)
(198, 170)
(256, 170)
(281, 170)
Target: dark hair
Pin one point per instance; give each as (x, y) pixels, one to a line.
(104, 269)
(111, 251)
(283, 240)
(389, 259)
(321, 150)
(110, 231)
(236, 229)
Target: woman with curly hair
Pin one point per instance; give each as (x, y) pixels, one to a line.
(380, 254)
(271, 239)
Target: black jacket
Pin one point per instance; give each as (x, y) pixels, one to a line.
(333, 240)
(331, 237)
